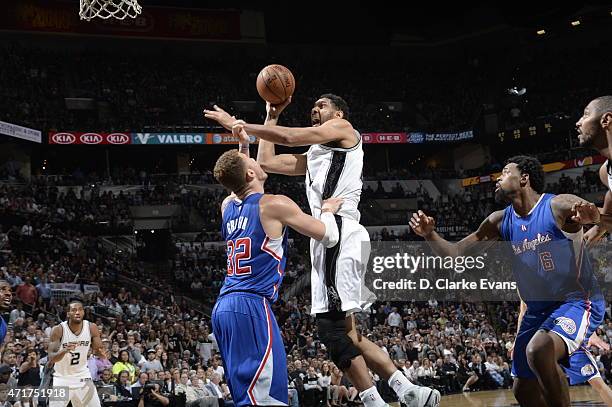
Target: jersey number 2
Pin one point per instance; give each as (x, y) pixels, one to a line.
(236, 251)
(74, 359)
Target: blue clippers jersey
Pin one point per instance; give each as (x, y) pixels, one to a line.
(255, 263)
(3, 329)
(548, 264)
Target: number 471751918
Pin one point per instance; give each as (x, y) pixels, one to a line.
(237, 251)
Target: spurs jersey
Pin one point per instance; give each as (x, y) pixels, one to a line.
(337, 273)
(335, 172)
(72, 368)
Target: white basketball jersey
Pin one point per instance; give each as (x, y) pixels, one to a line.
(335, 172)
(74, 364)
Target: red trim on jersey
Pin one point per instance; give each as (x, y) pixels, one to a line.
(269, 250)
(264, 360)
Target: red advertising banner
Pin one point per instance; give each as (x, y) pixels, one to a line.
(89, 138)
(161, 22)
(384, 138)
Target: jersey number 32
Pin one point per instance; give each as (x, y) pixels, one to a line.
(237, 251)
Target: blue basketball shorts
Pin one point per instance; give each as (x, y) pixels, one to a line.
(574, 321)
(252, 350)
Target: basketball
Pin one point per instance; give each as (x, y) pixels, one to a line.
(275, 83)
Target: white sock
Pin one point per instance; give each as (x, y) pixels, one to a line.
(400, 383)
(371, 398)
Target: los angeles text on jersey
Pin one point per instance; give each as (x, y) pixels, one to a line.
(443, 284)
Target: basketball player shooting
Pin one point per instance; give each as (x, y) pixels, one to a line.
(564, 302)
(333, 166)
(68, 349)
(255, 229)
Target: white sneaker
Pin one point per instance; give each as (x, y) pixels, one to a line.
(422, 397)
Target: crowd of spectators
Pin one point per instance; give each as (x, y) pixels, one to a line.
(451, 346)
(139, 91)
(154, 333)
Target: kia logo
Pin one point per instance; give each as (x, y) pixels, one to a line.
(91, 138)
(63, 138)
(118, 138)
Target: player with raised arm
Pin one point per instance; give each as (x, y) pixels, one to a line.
(68, 349)
(564, 303)
(595, 130)
(255, 229)
(333, 167)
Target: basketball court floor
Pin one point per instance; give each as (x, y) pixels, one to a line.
(582, 396)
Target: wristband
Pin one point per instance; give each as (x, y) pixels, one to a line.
(332, 234)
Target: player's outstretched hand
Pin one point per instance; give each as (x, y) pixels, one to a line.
(422, 224)
(596, 341)
(332, 205)
(239, 132)
(585, 213)
(220, 116)
(274, 111)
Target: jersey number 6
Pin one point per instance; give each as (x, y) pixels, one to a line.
(547, 261)
(237, 251)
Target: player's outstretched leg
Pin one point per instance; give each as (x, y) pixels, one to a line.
(544, 351)
(379, 362)
(345, 355)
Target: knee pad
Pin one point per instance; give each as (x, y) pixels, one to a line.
(332, 332)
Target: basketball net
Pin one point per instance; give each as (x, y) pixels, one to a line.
(105, 9)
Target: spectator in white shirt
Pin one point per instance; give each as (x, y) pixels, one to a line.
(394, 318)
(413, 371)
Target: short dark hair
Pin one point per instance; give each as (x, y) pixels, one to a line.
(74, 300)
(338, 102)
(230, 171)
(532, 167)
(603, 104)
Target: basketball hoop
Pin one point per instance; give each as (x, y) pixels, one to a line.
(105, 9)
